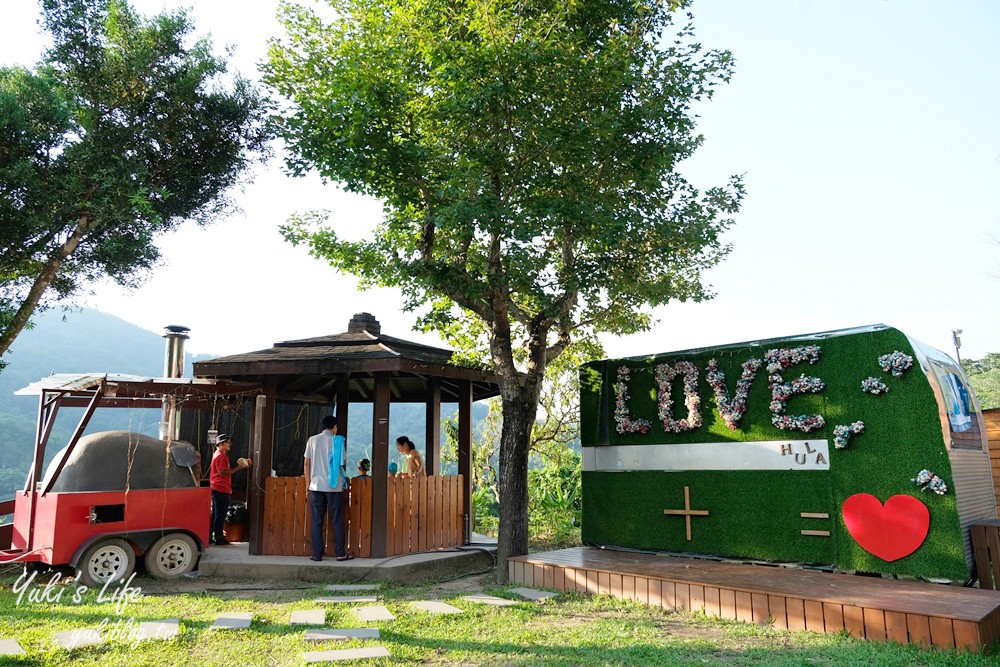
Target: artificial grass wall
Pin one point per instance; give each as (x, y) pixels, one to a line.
(756, 513)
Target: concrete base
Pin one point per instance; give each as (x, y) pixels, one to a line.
(234, 560)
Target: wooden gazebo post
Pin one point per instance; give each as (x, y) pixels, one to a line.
(432, 457)
(380, 465)
(465, 455)
(262, 448)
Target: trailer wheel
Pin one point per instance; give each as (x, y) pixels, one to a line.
(107, 560)
(171, 556)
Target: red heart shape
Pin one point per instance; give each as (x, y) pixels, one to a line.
(891, 531)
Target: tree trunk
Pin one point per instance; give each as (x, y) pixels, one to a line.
(520, 405)
(42, 282)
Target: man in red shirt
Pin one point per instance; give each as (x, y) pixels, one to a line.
(221, 481)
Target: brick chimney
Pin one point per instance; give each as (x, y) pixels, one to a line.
(363, 322)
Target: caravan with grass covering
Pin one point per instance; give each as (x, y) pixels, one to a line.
(860, 448)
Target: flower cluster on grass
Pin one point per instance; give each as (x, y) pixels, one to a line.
(895, 363)
(927, 480)
(842, 434)
(624, 423)
(781, 391)
(732, 409)
(665, 374)
(780, 359)
(874, 386)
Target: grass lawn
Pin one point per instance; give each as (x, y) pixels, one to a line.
(570, 630)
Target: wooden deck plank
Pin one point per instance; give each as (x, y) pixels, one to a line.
(919, 628)
(854, 620)
(796, 611)
(592, 586)
(682, 597)
(628, 587)
(727, 597)
(712, 603)
(833, 618)
(895, 627)
(758, 606)
(615, 585)
(776, 610)
(814, 616)
(967, 636)
(942, 632)
(874, 624)
(642, 590)
(744, 607)
(654, 592)
(697, 594)
(669, 595)
(967, 604)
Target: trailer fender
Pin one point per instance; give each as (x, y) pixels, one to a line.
(139, 539)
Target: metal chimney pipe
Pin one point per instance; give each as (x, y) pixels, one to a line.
(173, 360)
(173, 367)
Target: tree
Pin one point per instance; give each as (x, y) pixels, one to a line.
(984, 376)
(526, 154)
(121, 133)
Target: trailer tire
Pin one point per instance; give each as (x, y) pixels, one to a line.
(171, 556)
(106, 560)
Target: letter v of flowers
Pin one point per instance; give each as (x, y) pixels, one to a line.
(732, 409)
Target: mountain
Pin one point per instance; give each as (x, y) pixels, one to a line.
(88, 341)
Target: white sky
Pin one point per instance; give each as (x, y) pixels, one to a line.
(867, 131)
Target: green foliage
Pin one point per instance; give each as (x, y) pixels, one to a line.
(984, 376)
(555, 501)
(527, 147)
(756, 513)
(124, 131)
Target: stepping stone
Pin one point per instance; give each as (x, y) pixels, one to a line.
(532, 594)
(352, 588)
(339, 634)
(490, 600)
(308, 617)
(71, 639)
(347, 654)
(435, 607)
(165, 629)
(348, 598)
(236, 620)
(10, 647)
(374, 613)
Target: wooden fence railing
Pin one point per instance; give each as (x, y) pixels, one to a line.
(424, 513)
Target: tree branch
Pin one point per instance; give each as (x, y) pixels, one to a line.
(48, 273)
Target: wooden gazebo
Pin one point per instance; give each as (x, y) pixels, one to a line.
(387, 515)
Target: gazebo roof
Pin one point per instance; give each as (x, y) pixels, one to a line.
(307, 369)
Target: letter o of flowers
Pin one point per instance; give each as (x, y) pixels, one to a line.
(665, 374)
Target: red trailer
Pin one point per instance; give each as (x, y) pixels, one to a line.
(99, 523)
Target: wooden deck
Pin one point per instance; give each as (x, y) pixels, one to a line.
(867, 607)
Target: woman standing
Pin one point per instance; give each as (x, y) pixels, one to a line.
(414, 462)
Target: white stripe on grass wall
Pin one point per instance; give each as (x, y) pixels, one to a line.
(767, 455)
